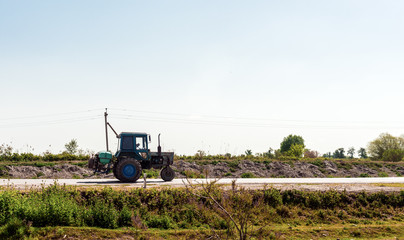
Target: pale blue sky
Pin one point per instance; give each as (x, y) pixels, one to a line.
(331, 71)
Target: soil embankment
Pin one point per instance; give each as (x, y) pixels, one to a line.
(230, 169)
(291, 169)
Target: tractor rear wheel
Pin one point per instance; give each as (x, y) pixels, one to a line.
(167, 173)
(114, 169)
(91, 163)
(128, 170)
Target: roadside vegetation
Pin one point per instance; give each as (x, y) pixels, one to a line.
(385, 148)
(382, 158)
(200, 211)
(71, 153)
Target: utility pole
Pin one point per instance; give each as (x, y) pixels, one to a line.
(106, 127)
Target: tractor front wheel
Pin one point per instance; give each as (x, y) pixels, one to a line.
(128, 170)
(167, 173)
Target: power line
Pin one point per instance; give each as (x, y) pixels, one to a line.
(244, 124)
(180, 118)
(51, 115)
(50, 122)
(250, 119)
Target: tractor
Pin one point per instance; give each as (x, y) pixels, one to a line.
(132, 156)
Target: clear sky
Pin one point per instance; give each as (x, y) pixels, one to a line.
(220, 76)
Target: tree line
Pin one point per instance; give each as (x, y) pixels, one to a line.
(386, 147)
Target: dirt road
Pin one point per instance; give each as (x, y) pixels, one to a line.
(314, 184)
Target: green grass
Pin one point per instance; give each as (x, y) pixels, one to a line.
(40, 174)
(382, 174)
(29, 157)
(41, 163)
(400, 185)
(192, 174)
(278, 231)
(176, 212)
(247, 175)
(151, 173)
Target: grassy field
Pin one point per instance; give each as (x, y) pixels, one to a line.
(201, 211)
(357, 231)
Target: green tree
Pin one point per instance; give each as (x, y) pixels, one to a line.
(362, 153)
(277, 153)
(200, 154)
(72, 146)
(296, 150)
(237, 207)
(311, 153)
(327, 155)
(387, 147)
(339, 153)
(393, 155)
(290, 140)
(6, 150)
(248, 152)
(351, 152)
(269, 153)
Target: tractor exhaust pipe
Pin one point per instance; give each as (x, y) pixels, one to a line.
(159, 147)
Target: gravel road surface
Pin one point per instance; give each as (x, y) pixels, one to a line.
(316, 184)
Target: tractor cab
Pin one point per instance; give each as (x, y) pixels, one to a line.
(133, 144)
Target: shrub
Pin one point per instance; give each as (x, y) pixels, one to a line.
(393, 155)
(102, 215)
(200, 154)
(383, 174)
(125, 217)
(49, 208)
(311, 154)
(318, 163)
(273, 197)
(151, 173)
(162, 222)
(283, 211)
(296, 150)
(233, 164)
(192, 174)
(29, 157)
(15, 229)
(172, 208)
(387, 147)
(314, 200)
(247, 175)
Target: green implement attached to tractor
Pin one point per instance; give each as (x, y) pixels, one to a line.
(132, 156)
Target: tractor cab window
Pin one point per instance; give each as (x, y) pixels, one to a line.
(140, 142)
(127, 143)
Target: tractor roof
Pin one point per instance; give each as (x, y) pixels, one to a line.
(132, 134)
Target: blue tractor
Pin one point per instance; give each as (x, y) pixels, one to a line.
(132, 157)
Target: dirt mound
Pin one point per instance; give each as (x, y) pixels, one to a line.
(257, 169)
(292, 169)
(57, 171)
(230, 169)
